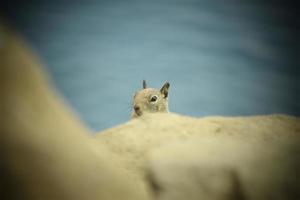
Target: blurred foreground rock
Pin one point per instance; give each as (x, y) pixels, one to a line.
(48, 153)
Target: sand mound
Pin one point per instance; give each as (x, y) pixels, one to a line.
(169, 151)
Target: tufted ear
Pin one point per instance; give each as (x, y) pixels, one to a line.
(144, 84)
(165, 89)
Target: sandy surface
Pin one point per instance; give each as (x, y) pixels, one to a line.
(141, 144)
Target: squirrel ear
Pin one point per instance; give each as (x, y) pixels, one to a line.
(144, 84)
(165, 89)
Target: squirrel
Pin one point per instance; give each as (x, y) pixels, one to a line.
(150, 100)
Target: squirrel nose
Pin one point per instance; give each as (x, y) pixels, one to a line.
(136, 108)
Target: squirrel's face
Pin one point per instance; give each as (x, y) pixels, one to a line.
(150, 100)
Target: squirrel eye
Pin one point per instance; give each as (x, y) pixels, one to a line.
(153, 98)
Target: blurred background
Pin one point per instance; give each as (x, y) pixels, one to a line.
(226, 58)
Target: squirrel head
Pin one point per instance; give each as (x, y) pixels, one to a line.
(150, 100)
